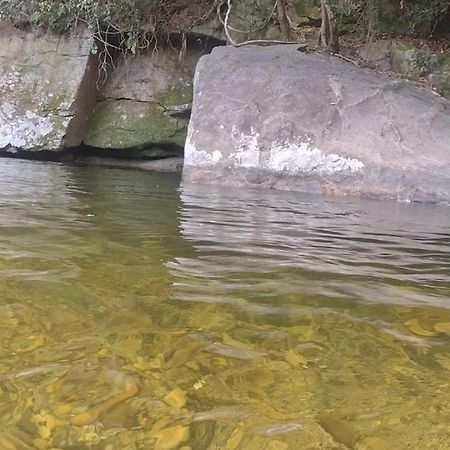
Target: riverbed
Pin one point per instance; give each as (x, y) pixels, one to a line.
(138, 312)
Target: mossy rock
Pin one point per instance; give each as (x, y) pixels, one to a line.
(411, 61)
(176, 98)
(440, 78)
(41, 79)
(416, 63)
(145, 104)
(128, 124)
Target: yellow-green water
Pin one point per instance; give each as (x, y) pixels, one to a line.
(138, 314)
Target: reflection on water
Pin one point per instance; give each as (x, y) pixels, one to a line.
(136, 315)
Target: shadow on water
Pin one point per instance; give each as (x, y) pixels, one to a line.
(136, 313)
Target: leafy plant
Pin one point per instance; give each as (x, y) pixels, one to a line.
(424, 15)
(415, 17)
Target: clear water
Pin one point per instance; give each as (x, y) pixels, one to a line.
(138, 314)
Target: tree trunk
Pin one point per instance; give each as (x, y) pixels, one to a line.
(283, 20)
(329, 35)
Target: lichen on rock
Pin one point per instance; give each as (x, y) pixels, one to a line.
(40, 79)
(128, 124)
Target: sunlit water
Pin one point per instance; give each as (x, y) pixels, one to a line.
(138, 314)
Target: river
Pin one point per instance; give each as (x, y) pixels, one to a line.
(140, 313)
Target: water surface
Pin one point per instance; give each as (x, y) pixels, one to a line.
(136, 313)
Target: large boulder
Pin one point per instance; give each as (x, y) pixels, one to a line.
(47, 89)
(146, 103)
(276, 117)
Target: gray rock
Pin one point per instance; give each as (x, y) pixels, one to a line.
(147, 101)
(377, 53)
(278, 118)
(47, 89)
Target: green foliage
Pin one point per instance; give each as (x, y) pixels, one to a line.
(395, 17)
(129, 22)
(423, 15)
(117, 26)
(124, 23)
(61, 16)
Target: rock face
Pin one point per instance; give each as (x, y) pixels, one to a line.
(47, 88)
(377, 53)
(275, 117)
(146, 102)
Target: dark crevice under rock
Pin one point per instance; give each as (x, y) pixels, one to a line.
(170, 158)
(149, 152)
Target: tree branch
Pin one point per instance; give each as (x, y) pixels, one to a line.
(240, 44)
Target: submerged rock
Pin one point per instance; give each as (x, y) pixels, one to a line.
(47, 88)
(233, 352)
(340, 429)
(272, 429)
(278, 118)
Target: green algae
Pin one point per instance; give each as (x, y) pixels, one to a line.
(175, 97)
(126, 124)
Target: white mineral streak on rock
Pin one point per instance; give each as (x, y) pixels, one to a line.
(8, 80)
(195, 157)
(22, 130)
(295, 157)
(7, 109)
(289, 157)
(217, 156)
(189, 147)
(247, 150)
